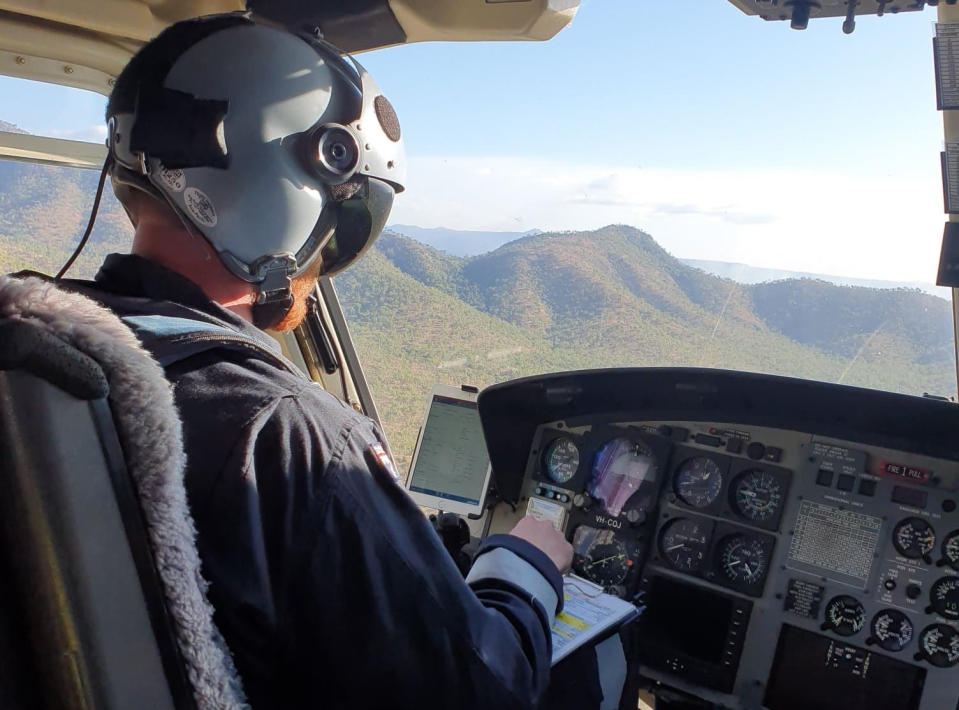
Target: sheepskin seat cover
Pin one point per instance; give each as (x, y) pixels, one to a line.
(150, 431)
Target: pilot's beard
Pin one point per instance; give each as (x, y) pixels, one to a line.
(302, 287)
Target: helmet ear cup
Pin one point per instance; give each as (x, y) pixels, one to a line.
(335, 154)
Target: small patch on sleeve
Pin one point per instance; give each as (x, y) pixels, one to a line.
(383, 460)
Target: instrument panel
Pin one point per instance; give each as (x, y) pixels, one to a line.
(778, 568)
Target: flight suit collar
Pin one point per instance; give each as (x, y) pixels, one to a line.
(132, 275)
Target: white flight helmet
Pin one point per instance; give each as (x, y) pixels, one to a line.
(273, 146)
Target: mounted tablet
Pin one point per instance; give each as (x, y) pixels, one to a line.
(451, 469)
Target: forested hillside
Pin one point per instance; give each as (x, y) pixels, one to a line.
(613, 297)
(43, 212)
(546, 302)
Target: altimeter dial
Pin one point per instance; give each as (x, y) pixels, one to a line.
(744, 559)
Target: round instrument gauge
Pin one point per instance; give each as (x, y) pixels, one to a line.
(757, 495)
(743, 559)
(914, 538)
(684, 544)
(892, 630)
(939, 645)
(944, 597)
(600, 556)
(562, 460)
(698, 481)
(950, 550)
(607, 564)
(845, 615)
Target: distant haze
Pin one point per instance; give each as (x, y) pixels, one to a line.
(745, 274)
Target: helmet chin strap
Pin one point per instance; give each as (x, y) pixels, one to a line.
(275, 290)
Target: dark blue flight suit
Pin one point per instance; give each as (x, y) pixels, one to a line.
(330, 586)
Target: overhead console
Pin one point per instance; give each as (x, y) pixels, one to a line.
(795, 544)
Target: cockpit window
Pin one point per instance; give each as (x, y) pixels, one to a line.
(52, 110)
(644, 190)
(44, 208)
(43, 213)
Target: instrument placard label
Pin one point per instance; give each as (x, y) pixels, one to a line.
(803, 598)
(840, 541)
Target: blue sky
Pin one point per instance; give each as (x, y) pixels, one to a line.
(723, 136)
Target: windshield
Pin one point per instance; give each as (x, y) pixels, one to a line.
(660, 186)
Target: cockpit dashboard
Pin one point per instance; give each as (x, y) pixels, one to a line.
(794, 544)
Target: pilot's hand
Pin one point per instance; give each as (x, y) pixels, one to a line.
(543, 535)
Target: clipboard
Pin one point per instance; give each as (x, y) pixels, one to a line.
(589, 616)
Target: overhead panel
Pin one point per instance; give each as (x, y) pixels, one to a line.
(86, 43)
(799, 12)
(101, 35)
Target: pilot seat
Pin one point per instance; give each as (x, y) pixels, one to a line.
(102, 602)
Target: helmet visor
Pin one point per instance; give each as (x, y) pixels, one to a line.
(359, 221)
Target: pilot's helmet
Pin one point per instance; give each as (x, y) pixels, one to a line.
(272, 145)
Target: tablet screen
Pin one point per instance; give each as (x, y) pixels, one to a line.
(452, 461)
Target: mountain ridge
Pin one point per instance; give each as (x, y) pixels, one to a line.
(469, 243)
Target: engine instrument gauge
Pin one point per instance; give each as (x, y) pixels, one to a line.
(950, 550)
(845, 615)
(944, 597)
(743, 559)
(892, 630)
(698, 481)
(914, 538)
(600, 556)
(561, 460)
(757, 495)
(939, 645)
(684, 543)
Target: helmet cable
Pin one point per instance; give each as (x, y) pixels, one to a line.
(107, 164)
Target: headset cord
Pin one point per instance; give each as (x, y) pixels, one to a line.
(107, 164)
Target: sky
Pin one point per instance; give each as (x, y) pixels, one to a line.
(723, 136)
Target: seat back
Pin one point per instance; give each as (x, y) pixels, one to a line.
(102, 597)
